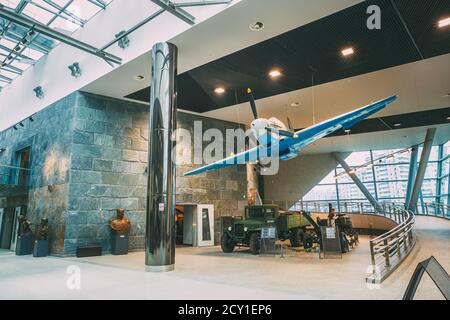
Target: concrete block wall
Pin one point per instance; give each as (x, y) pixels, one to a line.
(108, 171)
(49, 135)
(89, 157)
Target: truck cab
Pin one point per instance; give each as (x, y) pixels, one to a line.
(246, 231)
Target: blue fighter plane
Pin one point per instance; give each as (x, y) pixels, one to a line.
(276, 140)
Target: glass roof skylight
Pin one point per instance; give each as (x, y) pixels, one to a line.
(20, 47)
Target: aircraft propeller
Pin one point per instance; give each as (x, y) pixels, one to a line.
(283, 133)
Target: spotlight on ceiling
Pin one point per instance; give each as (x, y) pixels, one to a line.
(348, 52)
(347, 131)
(75, 69)
(219, 90)
(2, 150)
(296, 104)
(39, 92)
(31, 119)
(124, 41)
(139, 77)
(15, 128)
(448, 118)
(444, 22)
(21, 124)
(257, 26)
(275, 73)
(397, 124)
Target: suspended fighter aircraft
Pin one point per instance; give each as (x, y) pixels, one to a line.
(277, 140)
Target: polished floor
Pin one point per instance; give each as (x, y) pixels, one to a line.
(207, 273)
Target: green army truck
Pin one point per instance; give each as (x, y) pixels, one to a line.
(246, 231)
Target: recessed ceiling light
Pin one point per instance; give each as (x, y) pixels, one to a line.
(257, 26)
(446, 95)
(448, 118)
(348, 51)
(275, 73)
(347, 131)
(139, 77)
(296, 104)
(444, 22)
(219, 90)
(398, 124)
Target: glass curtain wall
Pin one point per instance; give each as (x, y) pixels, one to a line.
(386, 179)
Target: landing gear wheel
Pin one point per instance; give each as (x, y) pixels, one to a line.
(227, 243)
(255, 243)
(297, 237)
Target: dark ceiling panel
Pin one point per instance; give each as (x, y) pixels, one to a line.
(311, 54)
(406, 120)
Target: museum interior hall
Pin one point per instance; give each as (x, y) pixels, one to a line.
(224, 150)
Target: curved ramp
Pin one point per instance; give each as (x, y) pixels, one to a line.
(433, 239)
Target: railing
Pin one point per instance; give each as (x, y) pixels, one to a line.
(388, 250)
(391, 248)
(426, 209)
(433, 209)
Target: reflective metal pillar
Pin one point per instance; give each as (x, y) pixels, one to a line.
(160, 228)
(358, 182)
(428, 144)
(412, 173)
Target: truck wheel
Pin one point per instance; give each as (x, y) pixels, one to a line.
(255, 243)
(296, 237)
(226, 243)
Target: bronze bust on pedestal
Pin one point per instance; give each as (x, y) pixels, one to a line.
(43, 229)
(120, 224)
(121, 228)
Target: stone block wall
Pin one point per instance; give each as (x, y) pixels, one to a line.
(108, 170)
(48, 134)
(89, 157)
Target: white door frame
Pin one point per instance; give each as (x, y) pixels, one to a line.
(2, 214)
(210, 210)
(14, 235)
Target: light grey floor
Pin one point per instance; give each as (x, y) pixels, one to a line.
(207, 273)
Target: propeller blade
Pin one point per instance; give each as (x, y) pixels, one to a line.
(290, 124)
(252, 103)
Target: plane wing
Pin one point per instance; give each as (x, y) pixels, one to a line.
(302, 138)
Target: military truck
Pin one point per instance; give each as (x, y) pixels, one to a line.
(246, 231)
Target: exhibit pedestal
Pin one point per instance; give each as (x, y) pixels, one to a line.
(119, 244)
(24, 245)
(40, 248)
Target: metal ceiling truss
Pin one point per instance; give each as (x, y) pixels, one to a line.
(38, 29)
(44, 30)
(177, 8)
(173, 8)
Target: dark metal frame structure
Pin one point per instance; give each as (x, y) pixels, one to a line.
(436, 272)
(441, 182)
(27, 32)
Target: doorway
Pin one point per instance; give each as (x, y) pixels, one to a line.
(194, 225)
(23, 161)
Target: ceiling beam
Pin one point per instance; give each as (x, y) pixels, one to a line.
(12, 52)
(11, 70)
(5, 79)
(98, 3)
(201, 3)
(46, 31)
(169, 6)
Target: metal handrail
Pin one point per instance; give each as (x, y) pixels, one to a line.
(388, 250)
